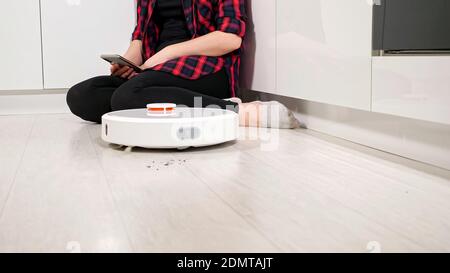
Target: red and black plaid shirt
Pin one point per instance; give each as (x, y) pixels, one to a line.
(202, 17)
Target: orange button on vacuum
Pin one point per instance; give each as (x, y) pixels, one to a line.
(161, 108)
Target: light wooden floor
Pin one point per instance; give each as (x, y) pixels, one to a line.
(63, 189)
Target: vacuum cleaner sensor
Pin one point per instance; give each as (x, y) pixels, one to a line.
(177, 128)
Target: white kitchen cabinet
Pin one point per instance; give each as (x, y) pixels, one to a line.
(20, 45)
(412, 86)
(259, 58)
(76, 32)
(324, 51)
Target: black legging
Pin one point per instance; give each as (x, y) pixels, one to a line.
(93, 98)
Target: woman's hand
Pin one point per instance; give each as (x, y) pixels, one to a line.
(122, 71)
(134, 54)
(161, 57)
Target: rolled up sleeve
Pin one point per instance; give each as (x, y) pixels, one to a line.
(231, 17)
(141, 14)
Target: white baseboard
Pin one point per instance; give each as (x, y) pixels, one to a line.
(418, 140)
(33, 102)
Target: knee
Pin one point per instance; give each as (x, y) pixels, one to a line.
(119, 99)
(81, 102)
(75, 98)
(125, 96)
(131, 94)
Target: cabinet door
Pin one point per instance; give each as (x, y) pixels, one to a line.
(259, 57)
(324, 51)
(412, 86)
(20, 46)
(75, 34)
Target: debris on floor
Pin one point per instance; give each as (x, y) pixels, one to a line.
(157, 165)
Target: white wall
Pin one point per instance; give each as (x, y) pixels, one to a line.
(20, 45)
(76, 33)
(259, 58)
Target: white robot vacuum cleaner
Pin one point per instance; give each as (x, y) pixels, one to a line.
(164, 126)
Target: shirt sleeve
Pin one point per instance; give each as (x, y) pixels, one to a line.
(231, 17)
(141, 15)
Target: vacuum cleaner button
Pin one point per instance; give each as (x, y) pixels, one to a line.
(186, 133)
(161, 108)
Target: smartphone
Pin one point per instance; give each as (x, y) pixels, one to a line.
(117, 59)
